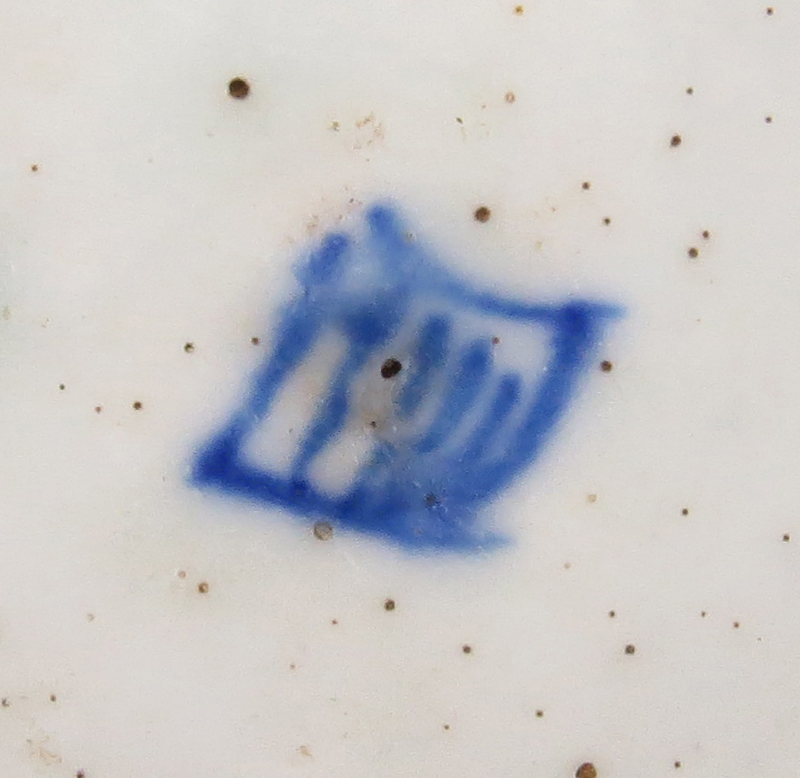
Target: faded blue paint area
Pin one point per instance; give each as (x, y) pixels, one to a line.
(458, 426)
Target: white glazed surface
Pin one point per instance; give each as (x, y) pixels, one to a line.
(163, 212)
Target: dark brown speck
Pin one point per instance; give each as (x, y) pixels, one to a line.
(389, 604)
(238, 88)
(675, 141)
(482, 214)
(586, 770)
(630, 649)
(203, 587)
(391, 367)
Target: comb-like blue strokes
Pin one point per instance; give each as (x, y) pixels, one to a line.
(428, 356)
(419, 487)
(506, 397)
(461, 391)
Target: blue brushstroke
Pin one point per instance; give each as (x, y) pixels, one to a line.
(461, 427)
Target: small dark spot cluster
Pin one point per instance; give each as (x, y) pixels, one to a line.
(238, 88)
(482, 214)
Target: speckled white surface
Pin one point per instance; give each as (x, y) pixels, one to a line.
(161, 212)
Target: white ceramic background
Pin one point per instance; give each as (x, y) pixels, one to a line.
(161, 212)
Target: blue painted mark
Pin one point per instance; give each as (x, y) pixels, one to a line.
(434, 443)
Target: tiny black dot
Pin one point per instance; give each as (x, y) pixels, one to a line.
(188, 347)
(606, 221)
(466, 649)
(768, 119)
(675, 140)
(770, 11)
(677, 765)
(606, 366)
(630, 649)
(52, 698)
(736, 625)
(703, 614)
(431, 500)
(539, 714)
(62, 387)
(238, 88)
(34, 168)
(137, 406)
(483, 214)
(706, 234)
(693, 252)
(787, 537)
(391, 367)
(689, 90)
(684, 512)
(586, 185)
(612, 614)
(389, 604)
(202, 587)
(255, 341)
